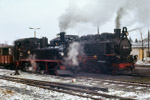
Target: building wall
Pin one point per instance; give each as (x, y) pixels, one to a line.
(138, 52)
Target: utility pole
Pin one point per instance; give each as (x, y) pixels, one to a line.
(142, 46)
(97, 29)
(148, 45)
(34, 31)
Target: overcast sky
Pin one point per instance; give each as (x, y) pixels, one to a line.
(16, 16)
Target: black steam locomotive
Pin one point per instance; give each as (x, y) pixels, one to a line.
(36, 55)
(105, 53)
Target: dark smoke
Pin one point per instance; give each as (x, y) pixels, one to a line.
(120, 14)
(135, 11)
(97, 12)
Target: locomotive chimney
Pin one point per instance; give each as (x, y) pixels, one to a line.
(117, 32)
(44, 42)
(62, 36)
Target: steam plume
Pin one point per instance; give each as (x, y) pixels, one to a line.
(33, 66)
(75, 50)
(120, 14)
(139, 9)
(97, 12)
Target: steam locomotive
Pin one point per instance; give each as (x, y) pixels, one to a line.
(105, 53)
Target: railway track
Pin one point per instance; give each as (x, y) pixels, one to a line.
(71, 89)
(113, 81)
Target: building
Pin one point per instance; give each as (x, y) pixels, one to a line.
(139, 50)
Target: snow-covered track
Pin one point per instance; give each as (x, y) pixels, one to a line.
(66, 88)
(119, 82)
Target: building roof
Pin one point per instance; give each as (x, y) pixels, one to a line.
(5, 46)
(139, 45)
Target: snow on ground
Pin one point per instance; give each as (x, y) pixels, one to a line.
(122, 90)
(146, 61)
(17, 91)
(11, 90)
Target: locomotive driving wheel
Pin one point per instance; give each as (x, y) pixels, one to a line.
(25, 66)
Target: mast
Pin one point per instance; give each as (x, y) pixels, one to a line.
(97, 29)
(148, 45)
(142, 46)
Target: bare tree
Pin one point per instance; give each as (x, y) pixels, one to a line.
(130, 39)
(136, 40)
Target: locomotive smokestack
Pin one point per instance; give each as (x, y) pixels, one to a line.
(62, 36)
(117, 32)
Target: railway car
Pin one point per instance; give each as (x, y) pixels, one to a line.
(6, 56)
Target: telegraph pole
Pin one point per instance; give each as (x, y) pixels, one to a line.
(148, 45)
(97, 29)
(142, 47)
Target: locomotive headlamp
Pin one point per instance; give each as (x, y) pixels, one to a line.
(127, 33)
(29, 52)
(61, 53)
(95, 57)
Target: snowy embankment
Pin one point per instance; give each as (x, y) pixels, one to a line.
(11, 90)
(146, 62)
(17, 91)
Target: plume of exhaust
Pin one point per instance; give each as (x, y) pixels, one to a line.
(120, 14)
(33, 66)
(141, 9)
(133, 11)
(95, 12)
(75, 49)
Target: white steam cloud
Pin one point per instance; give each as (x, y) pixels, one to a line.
(33, 66)
(141, 10)
(75, 49)
(97, 12)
